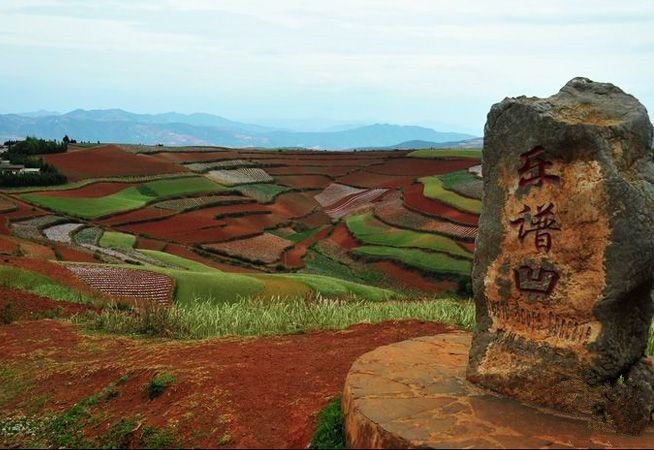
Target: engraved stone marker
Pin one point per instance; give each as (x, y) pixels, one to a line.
(564, 261)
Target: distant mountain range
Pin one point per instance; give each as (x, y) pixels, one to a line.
(116, 125)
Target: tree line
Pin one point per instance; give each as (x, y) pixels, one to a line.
(26, 153)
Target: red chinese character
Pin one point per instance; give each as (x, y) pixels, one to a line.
(533, 169)
(540, 224)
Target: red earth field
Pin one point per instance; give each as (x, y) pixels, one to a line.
(91, 190)
(260, 392)
(108, 161)
(416, 201)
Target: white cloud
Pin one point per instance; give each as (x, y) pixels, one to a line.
(408, 61)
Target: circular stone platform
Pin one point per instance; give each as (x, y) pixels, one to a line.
(414, 394)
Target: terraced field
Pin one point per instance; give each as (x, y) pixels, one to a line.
(223, 224)
(130, 198)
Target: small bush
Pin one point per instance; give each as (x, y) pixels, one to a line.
(7, 314)
(119, 434)
(330, 432)
(158, 384)
(156, 438)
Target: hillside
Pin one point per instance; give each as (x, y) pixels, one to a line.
(192, 245)
(115, 125)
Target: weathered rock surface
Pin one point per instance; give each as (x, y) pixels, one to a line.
(413, 394)
(563, 269)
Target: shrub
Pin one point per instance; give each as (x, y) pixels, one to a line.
(158, 384)
(7, 314)
(330, 432)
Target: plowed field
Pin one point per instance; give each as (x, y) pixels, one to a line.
(415, 200)
(107, 161)
(126, 283)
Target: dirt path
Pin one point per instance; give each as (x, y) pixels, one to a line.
(258, 392)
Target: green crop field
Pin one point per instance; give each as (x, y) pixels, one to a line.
(435, 188)
(446, 153)
(429, 262)
(195, 280)
(369, 230)
(115, 239)
(128, 199)
(262, 192)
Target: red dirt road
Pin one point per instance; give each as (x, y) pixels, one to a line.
(261, 392)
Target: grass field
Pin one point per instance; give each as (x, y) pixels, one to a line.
(428, 262)
(369, 230)
(81, 183)
(128, 199)
(115, 239)
(435, 188)
(263, 192)
(446, 153)
(205, 319)
(16, 278)
(195, 280)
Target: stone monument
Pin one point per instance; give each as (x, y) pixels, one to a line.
(564, 260)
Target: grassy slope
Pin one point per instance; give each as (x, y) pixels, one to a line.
(435, 188)
(262, 192)
(369, 230)
(15, 278)
(115, 239)
(128, 199)
(195, 280)
(446, 153)
(429, 262)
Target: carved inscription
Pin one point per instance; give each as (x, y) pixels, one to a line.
(534, 169)
(540, 221)
(539, 281)
(549, 323)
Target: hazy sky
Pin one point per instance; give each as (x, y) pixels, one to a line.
(428, 62)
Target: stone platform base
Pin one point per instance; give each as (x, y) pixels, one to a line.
(414, 394)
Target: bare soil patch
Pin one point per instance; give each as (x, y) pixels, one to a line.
(261, 392)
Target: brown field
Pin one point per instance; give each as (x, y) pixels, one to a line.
(265, 248)
(149, 213)
(92, 190)
(304, 181)
(108, 161)
(416, 201)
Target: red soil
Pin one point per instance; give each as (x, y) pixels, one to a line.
(150, 244)
(410, 280)
(304, 181)
(187, 253)
(66, 253)
(334, 171)
(54, 271)
(369, 180)
(316, 219)
(23, 211)
(138, 215)
(257, 222)
(333, 161)
(182, 157)
(262, 392)
(422, 167)
(294, 204)
(343, 238)
(470, 246)
(415, 200)
(92, 190)
(26, 306)
(292, 258)
(8, 246)
(108, 160)
(34, 250)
